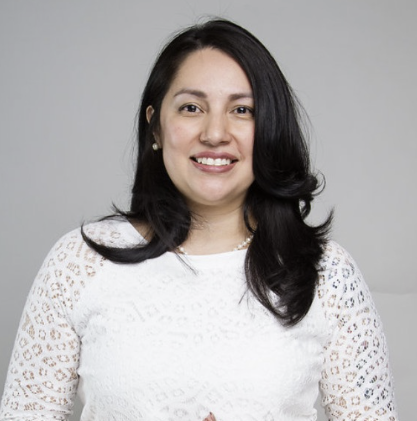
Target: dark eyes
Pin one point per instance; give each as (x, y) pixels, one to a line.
(191, 108)
(243, 110)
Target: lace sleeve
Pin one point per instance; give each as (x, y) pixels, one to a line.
(356, 380)
(42, 377)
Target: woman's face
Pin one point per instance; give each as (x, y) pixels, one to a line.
(207, 130)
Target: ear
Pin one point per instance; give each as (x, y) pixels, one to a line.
(149, 113)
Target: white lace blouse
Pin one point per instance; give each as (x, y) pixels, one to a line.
(172, 340)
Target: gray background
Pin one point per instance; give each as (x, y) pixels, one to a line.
(71, 74)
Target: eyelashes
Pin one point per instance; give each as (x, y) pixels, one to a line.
(195, 109)
(190, 108)
(243, 110)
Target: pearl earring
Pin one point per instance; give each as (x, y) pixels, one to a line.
(155, 146)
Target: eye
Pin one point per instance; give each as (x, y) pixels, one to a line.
(190, 108)
(244, 110)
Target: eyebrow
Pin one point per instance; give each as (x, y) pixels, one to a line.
(194, 92)
(201, 94)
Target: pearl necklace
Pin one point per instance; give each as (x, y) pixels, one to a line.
(240, 246)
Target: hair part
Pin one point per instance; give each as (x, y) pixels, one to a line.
(284, 254)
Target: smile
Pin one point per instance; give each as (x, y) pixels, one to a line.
(213, 162)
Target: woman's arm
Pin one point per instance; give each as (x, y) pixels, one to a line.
(356, 379)
(42, 377)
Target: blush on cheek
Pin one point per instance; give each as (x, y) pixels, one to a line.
(177, 138)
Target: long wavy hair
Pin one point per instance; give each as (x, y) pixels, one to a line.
(282, 260)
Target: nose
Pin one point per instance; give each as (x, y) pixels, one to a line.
(215, 130)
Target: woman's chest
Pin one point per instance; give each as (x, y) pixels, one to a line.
(167, 340)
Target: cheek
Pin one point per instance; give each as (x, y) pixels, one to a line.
(175, 135)
(175, 150)
(246, 137)
(248, 145)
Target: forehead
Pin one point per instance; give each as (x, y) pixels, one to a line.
(210, 69)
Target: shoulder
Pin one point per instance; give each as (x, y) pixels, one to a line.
(71, 264)
(337, 267)
(115, 232)
(341, 286)
(335, 256)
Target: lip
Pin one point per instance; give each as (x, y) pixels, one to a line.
(214, 169)
(215, 155)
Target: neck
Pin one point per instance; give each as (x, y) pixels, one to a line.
(216, 231)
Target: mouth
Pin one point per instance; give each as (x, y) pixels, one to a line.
(216, 162)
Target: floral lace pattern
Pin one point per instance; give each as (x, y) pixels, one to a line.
(158, 341)
(356, 381)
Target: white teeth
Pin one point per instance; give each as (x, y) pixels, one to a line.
(216, 162)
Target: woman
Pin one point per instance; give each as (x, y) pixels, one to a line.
(212, 295)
